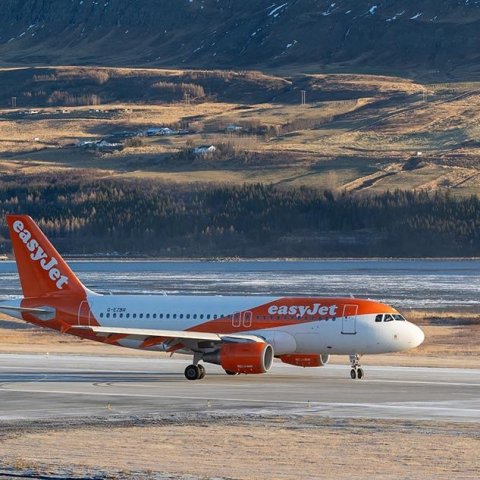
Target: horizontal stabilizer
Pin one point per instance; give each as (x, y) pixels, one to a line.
(25, 309)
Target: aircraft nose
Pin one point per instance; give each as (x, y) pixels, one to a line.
(417, 335)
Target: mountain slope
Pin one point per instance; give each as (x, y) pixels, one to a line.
(425, 36)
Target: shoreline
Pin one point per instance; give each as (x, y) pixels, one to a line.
(147, 259)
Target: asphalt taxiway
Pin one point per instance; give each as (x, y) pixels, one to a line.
(59, 386)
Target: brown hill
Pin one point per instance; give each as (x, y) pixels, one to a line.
(433, 37)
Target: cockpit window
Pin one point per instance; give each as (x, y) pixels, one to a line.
(388, 318)
(379, 318)
(399, 317)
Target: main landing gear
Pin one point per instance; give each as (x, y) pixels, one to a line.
(356, 371)
(195, 372)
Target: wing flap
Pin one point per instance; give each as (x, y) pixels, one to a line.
(142, 333)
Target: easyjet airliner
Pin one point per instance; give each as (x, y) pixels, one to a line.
(242, 334)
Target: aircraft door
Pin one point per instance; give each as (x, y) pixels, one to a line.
(349, 319)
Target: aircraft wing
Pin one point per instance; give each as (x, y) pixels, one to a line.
(142, 334)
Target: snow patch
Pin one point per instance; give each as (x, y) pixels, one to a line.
(276, 9)
(395, 16)
(329, 10)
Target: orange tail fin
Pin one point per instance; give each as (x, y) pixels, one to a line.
(41, 269)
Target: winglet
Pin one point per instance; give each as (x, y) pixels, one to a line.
(41, 269)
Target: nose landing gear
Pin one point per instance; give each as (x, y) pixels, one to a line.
(356, 371)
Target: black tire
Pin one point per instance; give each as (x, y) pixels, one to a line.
(353, 374)
(360, 373)
(202, 371)
(192, 372)
(229, 372)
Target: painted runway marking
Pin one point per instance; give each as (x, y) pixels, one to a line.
(427, 406)
(76, 374)
(425, 382)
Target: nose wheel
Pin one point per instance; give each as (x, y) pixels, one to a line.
(357, 370)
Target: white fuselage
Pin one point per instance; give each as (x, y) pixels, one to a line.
(341, 334)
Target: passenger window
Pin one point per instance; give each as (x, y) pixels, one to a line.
(141, 315)
(194, 316)
(379, 318)
(174, 315)
(388, 318)
(114, 315)
(154, 315)
(181, 315)
(215, 316)
(208, 317)
(167, 315)
(101, 315)
(108, 315)
(147, 315)
(188, 315)
(127, 315)
(134, 315)
(121, 315)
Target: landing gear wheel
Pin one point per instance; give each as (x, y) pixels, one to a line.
(229, 372)
(202, 371)
(192, 372)
(356, 371)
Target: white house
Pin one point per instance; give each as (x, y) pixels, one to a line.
(201, 149)
(152, 132)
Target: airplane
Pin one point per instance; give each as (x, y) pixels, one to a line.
(242, 334)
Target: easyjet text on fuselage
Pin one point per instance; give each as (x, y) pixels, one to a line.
(302, 310)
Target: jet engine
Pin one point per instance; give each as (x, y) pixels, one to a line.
(251, 357)
(300, 360)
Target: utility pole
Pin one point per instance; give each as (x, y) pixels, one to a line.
(303, 97)
(187, 99)
(14, 102)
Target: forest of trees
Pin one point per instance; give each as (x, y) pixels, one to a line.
(88, 217)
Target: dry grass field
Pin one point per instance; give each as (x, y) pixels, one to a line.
(275, 448)
(362, 133)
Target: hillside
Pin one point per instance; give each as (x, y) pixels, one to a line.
(434, 38)
(359, 133)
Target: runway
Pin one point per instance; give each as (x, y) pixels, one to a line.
(37, 387)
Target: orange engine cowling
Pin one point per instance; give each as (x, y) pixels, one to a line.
(252, 357)
(300, 360)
